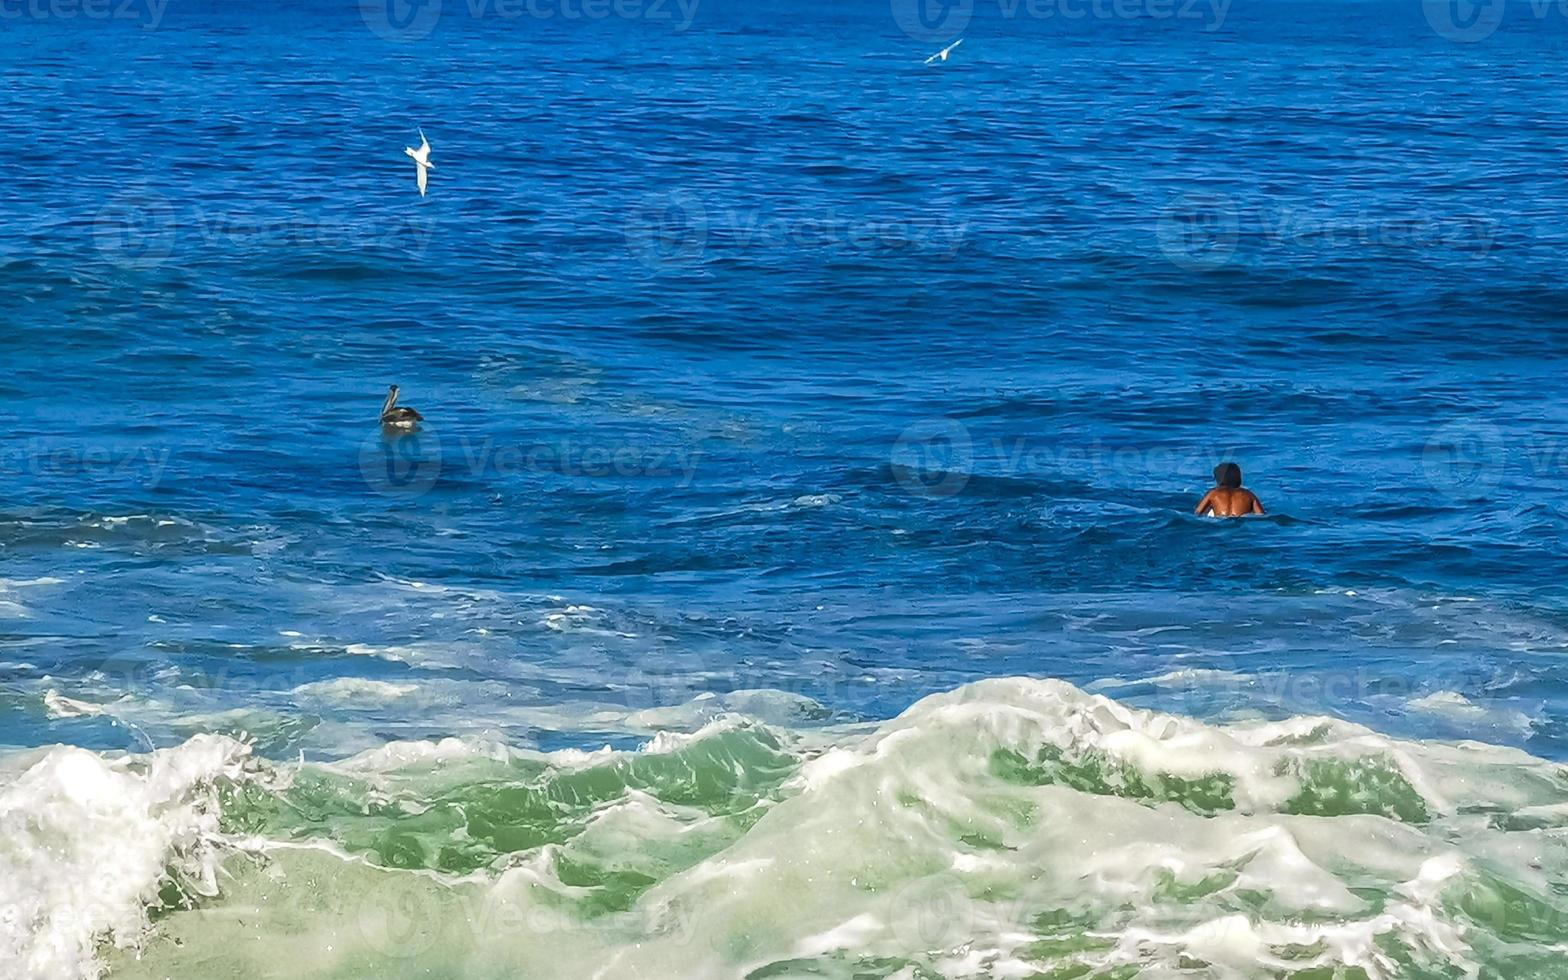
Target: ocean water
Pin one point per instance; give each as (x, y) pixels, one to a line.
(795, 574)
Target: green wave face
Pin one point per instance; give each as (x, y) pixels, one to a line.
(458, 819)
(1011, 828)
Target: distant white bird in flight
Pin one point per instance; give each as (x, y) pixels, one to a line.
(422, 164)
(942, 54)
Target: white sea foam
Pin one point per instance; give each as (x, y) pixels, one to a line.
(815, 500)
(59, 706)
(770, 707)
(431, 658)
(11, 606)
(85, 842)
(350, 691)
(399, 755)
(1010, 828)
(1455, 707)
(582, 619)
(1185, 677)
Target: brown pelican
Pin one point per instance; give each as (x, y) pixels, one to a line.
(398, 418)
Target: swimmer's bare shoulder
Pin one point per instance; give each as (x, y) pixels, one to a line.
(1245, 502)
(1229, 498)
(1229, 502)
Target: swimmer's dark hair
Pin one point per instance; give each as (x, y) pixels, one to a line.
(1227, 475)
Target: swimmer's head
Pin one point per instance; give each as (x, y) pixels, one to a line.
(1227, 475)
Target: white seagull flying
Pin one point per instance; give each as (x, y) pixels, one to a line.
(422, 164)
(942, 54)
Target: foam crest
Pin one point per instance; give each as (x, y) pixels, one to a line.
(88, 843)
(1010, 828)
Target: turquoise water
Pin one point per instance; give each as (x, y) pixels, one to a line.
(775, 382)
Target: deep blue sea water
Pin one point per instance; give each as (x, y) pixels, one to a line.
(758, 356)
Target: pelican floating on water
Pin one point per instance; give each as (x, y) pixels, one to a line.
(398, 418)
(422, 164)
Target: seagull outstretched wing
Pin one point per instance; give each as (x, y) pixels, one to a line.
(422, 164)
(942, 54)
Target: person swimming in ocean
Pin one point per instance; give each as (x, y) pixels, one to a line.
(1229, 498)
